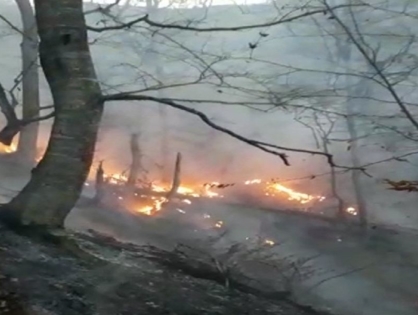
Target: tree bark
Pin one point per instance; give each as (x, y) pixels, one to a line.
(334, 189)
(57, 181)
(136, 162)
(176, 178)
(355, 174)
(344, 57)
(152, 8)
(100, 182)
(27, 145)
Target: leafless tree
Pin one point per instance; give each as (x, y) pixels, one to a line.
(57, 181)
(29, 78)
(27, 146)
(322, 128)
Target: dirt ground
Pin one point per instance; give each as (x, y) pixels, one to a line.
(346, 273)
(41, 279)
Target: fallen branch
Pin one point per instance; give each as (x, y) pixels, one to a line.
(198, 264)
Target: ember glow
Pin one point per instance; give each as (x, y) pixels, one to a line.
(8, 149)
(186, 193)
(302, 198)
(149, 205)
(269, 242)
(155, 205)
(351, 210)
(4, 149)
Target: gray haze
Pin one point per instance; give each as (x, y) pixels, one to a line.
(279, 64)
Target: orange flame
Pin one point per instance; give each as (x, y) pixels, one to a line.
(155, 206)
(9, 149)
(292, 194)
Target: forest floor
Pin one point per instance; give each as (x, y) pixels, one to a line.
(316, 262)
(43, 278)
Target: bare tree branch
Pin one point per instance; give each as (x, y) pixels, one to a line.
(374, 65)
(105, 9)
(117, 27)
(12, 26)
(7, 107)
(14, 125)
(264, 146)
(282, 20)
(25, 122)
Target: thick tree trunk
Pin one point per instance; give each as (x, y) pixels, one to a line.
(27, 146)
(57, 181)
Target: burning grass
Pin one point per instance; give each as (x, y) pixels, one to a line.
(150, 198)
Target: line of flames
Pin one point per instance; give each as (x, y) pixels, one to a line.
(271, 189)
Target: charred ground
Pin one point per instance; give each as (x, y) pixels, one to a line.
(50, 277)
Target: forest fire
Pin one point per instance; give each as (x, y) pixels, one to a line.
(153, 196)
(273, 188)
(12, 148)
(8, 149)
(351, 210)
(149, 204)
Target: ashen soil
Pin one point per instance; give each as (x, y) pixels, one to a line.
(58, 278)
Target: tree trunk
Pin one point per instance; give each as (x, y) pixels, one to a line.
(344, 51)
(152, 7)
(57, 181)
(100, 182)
(333, 182)
(162, 111)
(135, 168)
(27, 146)
(176, 178)
(355, 174)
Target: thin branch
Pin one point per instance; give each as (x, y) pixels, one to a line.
(373, 64)
(7, 107)
(264, 146)
(12, 26)
(46, 107)
(342, 274)
(28, 121)
(14, 125)
(282, 20)
(117, 27)
(397, 158)
(104, 10)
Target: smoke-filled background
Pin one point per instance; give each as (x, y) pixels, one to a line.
(235, 78)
